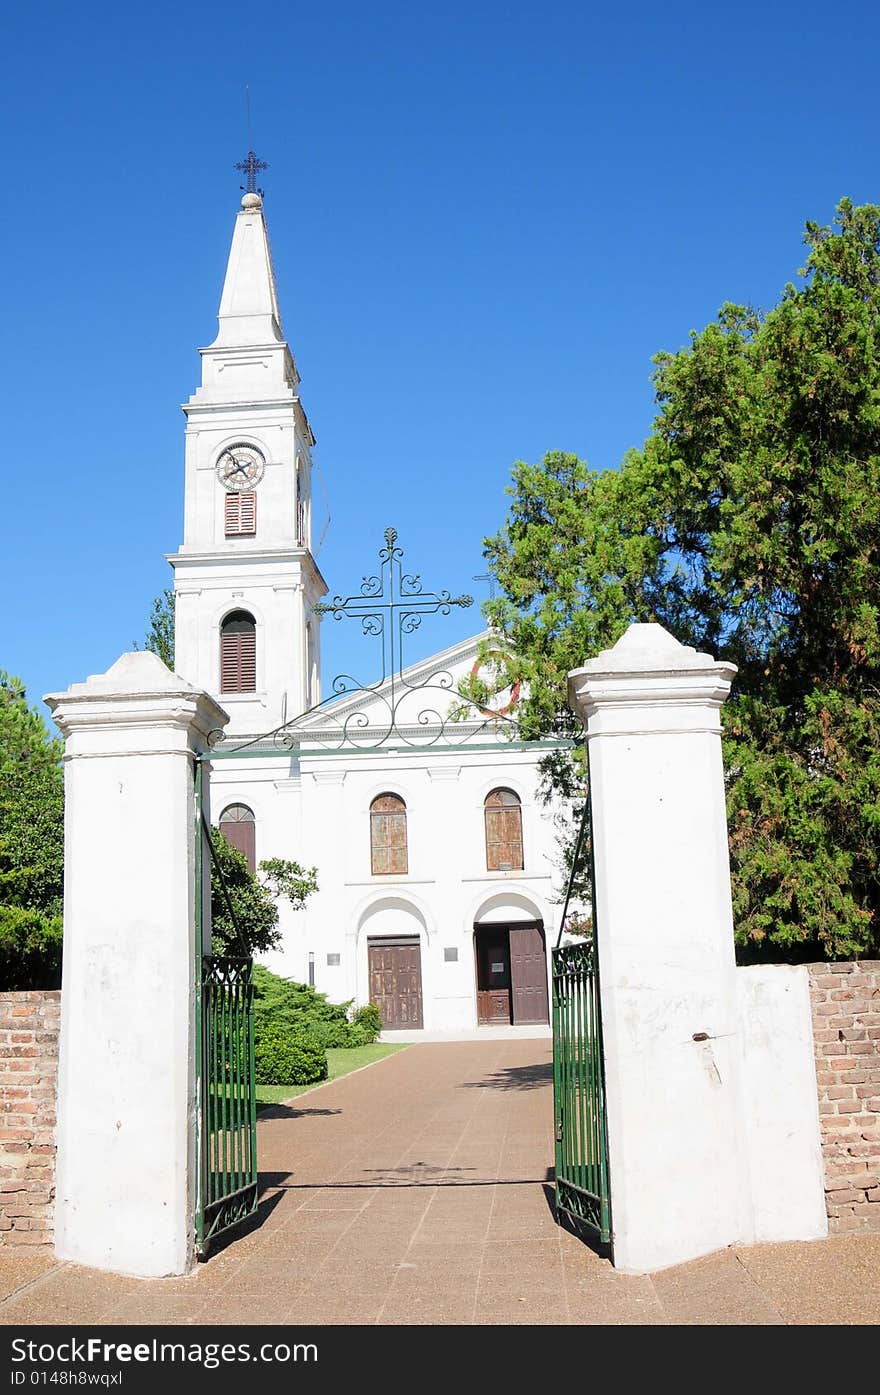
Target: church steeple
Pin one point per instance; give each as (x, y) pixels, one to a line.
(249, 311)
(246, 582)
(249, 358)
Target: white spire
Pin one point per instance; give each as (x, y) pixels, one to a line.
(249, 305)
(249, 360)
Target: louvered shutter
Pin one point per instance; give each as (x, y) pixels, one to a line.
(238, 654)
(241, 515)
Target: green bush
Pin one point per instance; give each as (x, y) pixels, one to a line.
(288, 1058)
(295, 1007)
(30, 949)
(334, 1034)
(330, 1034)
(358, 1036)
(369, 1020)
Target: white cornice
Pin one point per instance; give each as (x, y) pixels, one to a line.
(205, 406)
(255, 404)
(237, 350)
(240, 560)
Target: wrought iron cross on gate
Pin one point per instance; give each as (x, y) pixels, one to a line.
(391, 605)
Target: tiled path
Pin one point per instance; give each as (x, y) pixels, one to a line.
(416, 1191)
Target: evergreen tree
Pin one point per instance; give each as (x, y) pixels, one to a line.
(749, 526)
(31, 844)
(160, 635)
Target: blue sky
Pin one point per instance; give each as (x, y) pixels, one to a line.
(485, 219)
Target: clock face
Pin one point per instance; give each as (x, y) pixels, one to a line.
(240, 467)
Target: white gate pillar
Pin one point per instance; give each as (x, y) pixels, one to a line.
(125, 1172)
(676, 1131)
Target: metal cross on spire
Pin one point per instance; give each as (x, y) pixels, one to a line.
(251, 167)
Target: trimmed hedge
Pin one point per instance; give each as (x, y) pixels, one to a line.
(294, 1025)
(288, 1058)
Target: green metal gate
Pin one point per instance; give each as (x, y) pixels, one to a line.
(228, 1162)
(582, 1181)
(227, 1104)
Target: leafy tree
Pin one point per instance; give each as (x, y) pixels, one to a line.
(31, 844)
(160, 635)
(749, 526)
(285, 878)
(244, 910)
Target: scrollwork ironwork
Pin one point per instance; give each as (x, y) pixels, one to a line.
(389, 606)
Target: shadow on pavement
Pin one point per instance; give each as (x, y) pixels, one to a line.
(532, 1077)
(395, 1184)
(265, 1206)
(289, 1111)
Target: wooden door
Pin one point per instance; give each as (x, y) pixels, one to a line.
(396, 981)
(493, 978)
(528, 974)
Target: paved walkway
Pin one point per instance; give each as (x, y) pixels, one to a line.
(534, 1032)
(417, 1191)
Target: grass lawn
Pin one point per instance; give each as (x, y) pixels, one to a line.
(340, 1061)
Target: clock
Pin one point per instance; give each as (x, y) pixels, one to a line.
(240, 466)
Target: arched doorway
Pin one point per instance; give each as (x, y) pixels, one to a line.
(391, 937)
(511, 971)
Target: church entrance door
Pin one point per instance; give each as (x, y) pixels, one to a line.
(395, 966)
(493, 976)
(511, 974)
(528, 974)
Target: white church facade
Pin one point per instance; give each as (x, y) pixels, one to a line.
(437, 862)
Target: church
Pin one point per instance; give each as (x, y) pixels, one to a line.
(438, 865)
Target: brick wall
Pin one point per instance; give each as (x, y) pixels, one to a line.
(28, 1068)
(846, 1032)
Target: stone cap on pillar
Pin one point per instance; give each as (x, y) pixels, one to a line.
(649, 682)
(138, 691)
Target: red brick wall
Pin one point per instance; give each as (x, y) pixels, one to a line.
(846, 1032)
(28, 1069)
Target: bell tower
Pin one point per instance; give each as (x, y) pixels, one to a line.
(245, 580)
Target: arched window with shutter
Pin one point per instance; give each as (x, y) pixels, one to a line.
(388, 852)
(238, 653)
(238, 828)
(504, 841)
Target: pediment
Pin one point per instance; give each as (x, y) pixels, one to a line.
(420, 705)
